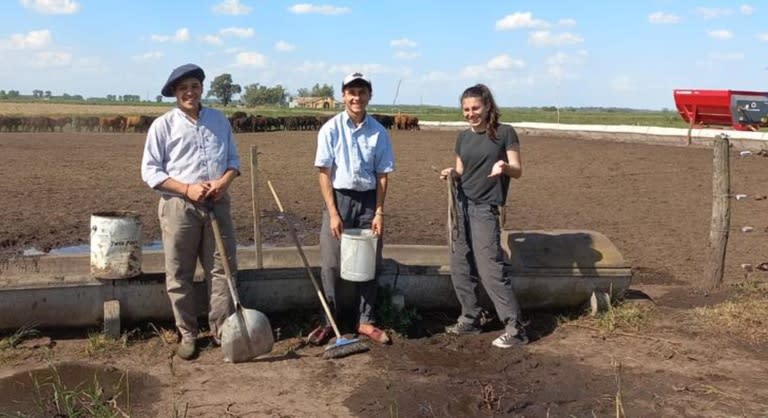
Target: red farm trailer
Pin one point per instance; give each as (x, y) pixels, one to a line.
(741, 110)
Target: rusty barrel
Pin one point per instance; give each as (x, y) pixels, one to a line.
(115, 245)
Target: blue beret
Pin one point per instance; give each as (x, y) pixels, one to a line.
(186, 70)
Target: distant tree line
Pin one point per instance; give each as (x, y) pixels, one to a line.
(222, 88)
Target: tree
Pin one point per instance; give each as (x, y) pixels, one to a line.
(322, 91)
(37, 93)
(3, 94)
(13, 94)
(47, 94)
(223, 89)
(158, 99)
(256, 94)
(317, 91)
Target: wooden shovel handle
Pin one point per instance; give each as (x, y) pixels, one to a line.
(292, 230)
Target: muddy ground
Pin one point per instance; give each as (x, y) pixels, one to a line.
(653, 202)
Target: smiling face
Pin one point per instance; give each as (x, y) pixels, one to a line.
(474, 111)
(188, 92)
(356, 98)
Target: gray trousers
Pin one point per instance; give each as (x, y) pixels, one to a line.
(187, 238)
(357, 210)
(477, 252)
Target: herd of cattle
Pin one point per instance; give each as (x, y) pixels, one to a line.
(240, 121)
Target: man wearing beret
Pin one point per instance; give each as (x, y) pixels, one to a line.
(190, 158)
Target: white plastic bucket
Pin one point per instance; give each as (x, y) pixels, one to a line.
(358, 255)
(115, 245)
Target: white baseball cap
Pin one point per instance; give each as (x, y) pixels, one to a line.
(356, 76)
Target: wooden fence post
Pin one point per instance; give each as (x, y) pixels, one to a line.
(256, 207)
(721, 211)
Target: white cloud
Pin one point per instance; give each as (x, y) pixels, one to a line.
(149, 56)
(746, 9)
(307, 8)
(505, 62)
(495, 65)
(181, 35)
(232, 7)
(623, 83)
(52, 7)
(567, 22)
(232, 51)
(473, 71)
(35, 39)
(559, 58)
(661, 17)
(720, 34)
(406, 55)
(712, 13)
(403, 43)
(52, 59)
(520, 20)
(727, 56)
(283, 46)
(238, 32)
(251, 59)
(437, 76)
(545, 38)
(762, 36)
(559, 64)
(312, 67)
(211, 40)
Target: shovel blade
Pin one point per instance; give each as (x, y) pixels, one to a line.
(246, 334)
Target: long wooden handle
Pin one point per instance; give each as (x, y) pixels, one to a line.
(225, 259)
(292, 230)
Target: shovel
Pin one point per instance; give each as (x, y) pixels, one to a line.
(246, 333)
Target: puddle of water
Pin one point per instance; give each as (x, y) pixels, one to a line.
(35, 392)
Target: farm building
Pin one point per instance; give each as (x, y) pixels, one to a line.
(313, 102)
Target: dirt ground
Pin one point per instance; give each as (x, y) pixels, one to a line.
(653, 202)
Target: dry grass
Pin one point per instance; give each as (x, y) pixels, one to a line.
(61, 109)
(745, 317)
(624, 317)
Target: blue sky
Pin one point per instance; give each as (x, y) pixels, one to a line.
(565, 53)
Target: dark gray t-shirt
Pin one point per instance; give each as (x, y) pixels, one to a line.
(479, 153)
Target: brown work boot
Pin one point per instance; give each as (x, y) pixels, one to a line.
(186, 349)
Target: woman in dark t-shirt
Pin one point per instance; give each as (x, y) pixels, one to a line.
(487, 156)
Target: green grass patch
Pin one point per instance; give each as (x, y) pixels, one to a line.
(390, 316)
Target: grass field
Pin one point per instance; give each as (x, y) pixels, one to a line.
(432, 113)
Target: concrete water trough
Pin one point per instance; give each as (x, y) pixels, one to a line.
(554, 269)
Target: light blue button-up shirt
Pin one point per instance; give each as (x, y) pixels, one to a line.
(355, 154)
(188, 151)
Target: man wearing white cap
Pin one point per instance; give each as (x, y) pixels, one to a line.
(190, 158)
(354, 156)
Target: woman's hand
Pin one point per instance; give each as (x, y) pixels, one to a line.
(498, 169)
(450, 171)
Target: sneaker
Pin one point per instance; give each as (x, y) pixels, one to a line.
(463, 328)
(186, 349)
(320, 335)
(507, 340)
